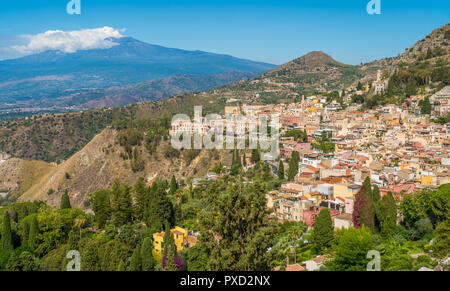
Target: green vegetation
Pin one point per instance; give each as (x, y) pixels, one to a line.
(293, 165)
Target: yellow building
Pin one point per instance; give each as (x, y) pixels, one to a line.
(426, 180)
(179, 235)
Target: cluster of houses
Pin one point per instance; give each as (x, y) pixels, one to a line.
(397, 147)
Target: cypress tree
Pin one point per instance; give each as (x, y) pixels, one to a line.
(364, 210)
(34, 230)
(173, 186)
(323, 233)
(170, 250)
(281, 170)
(7, 241)
(256, 156)
(65, 201)
(293, 165)
(136, 261)
(148, 263)
(376, 194)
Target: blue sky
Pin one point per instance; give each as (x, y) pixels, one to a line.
(274, 31)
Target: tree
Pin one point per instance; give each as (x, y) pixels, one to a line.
(441, 247)
(293, 165)
(124, 213)
(386, 214)
(90, 255)
(244, 161)
(140, 198)
(148, 263)
(294, 234)
(256, 156)
(136, 260)
(122, 267)
(6, 239)
(173, 186)
(376, 194)
(160, 209)
(425, 106)
(350, 253)
(65, 201)
(388, 225)
(240, 235)
(281, 170)
(28, 263)
(359, 87)
(34, 230)
(101, 205)
(323, 233)
(170, 251)
(14, 264)
(364, 211)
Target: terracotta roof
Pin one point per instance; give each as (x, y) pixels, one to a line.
(295, 267)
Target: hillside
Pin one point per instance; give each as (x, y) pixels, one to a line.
(17, 176)
(102, 161)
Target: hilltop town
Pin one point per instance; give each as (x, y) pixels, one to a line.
(362, 164)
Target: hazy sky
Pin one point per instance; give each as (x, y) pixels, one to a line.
(274, 31)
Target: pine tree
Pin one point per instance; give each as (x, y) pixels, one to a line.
(148, 263)
(125, 206)
(281, 170)
(160, 209)
(170, 250)
(6, 238)
(140, 196)
(293, 165)
(34, 230)
(173, 186)
(102, 207)
(136, 260)
(65, 201)
(323, 233)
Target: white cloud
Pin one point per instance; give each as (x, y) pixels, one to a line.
(70, 41)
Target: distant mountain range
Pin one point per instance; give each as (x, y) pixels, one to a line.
(52, 78)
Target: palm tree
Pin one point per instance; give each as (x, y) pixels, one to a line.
(294, 233)
(79, 222)
(283, 248)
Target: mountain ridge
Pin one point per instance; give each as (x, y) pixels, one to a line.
(25, 81)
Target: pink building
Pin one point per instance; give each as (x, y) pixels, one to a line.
(310, 216)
